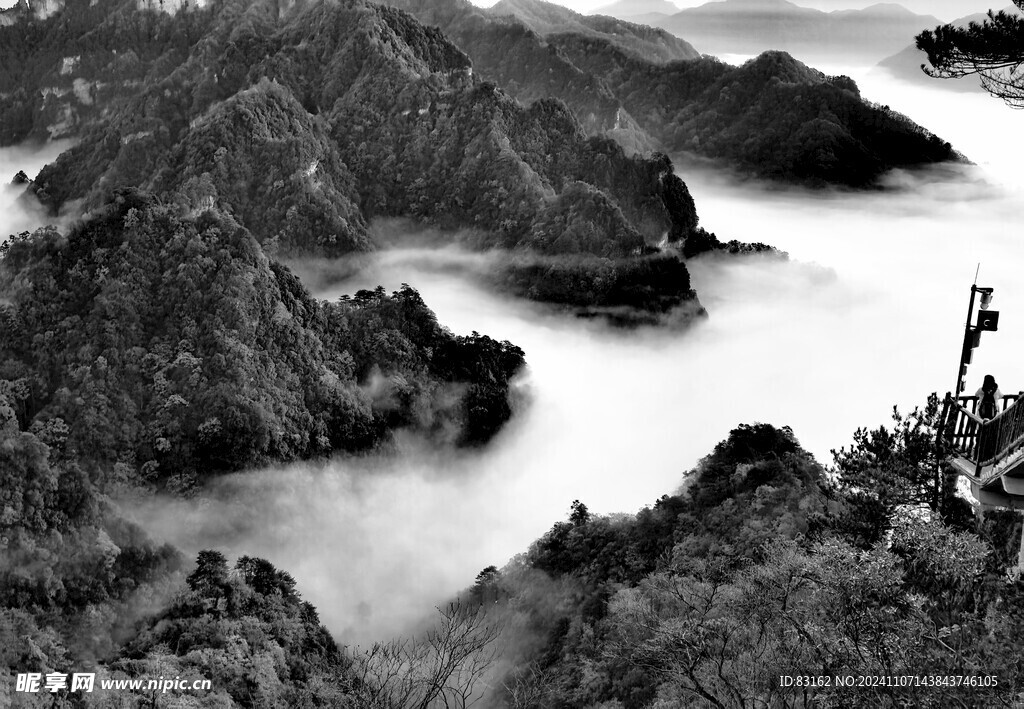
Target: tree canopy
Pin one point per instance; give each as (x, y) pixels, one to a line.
(172, 345)
(765, 564)
(993, 49)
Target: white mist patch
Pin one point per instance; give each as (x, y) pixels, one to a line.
(614, 419)
(980, 126)
(868, 314)
(17, 215)
(375, 543)
(889, 329)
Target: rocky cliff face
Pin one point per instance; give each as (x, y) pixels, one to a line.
(65, 64)
(30, 9)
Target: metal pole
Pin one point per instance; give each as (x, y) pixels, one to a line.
(1020, 554)
(967, 332)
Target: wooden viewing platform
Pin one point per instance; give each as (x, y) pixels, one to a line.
(990, 454)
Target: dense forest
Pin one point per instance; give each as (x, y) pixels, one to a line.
(767, 564)
(147, 350)
(172, 346)
(772, 117)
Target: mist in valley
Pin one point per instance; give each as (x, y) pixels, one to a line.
(867, 313)
(18, 214)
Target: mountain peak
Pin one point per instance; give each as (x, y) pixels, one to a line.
(760, 4)
(635, 8)
(888, 7)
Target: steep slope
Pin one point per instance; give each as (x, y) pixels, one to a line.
(649, 43)
(506, 51)
(754, 26)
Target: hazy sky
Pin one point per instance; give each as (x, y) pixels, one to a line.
(943, 9)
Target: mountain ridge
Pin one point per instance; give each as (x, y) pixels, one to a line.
(753, 26)
(625, 8)
(678, 106)
(307, 121)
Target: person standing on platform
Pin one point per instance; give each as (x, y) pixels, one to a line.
(989, 398)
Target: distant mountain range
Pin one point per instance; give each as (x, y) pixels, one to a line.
(906, 64)
(944, 9)
(753, 26)
(631, 8)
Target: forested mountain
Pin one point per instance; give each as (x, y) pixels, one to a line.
(506, 51)
(842, 36)
(171, 347)
(773, 117)
(641, 104)
(84, 591)
(649, 43)
(305, 122)
(761, 567)
(146, 350)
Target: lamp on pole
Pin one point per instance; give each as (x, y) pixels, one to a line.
(987, 320)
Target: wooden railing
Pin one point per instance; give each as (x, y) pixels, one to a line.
(971, 402)
(984, 442)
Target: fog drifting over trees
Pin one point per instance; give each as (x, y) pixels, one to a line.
(867, 314)
(875, 289)
(18, 215)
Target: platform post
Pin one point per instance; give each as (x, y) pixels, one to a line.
(1020, 554)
